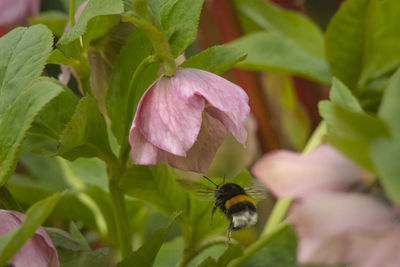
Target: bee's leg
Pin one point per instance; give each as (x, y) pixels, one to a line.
(212, 213)
(229, 234)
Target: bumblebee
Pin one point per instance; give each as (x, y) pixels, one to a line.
(236, 204)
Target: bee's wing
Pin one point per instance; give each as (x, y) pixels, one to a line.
(256, 190)
(204, 192)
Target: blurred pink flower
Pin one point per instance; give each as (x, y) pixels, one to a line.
(292, 174)
(12, 12)
(183, 119)
(39, 251)
(346, 228)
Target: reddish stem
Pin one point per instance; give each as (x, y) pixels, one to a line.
(229, 28)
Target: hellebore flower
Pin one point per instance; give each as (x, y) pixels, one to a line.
(39, 251)
(291, 174)
(346, 228)
(14, 11)
(183, 119)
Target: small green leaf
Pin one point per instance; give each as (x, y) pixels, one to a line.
(72, 253)
(385, 156)
(180, 18)
(35, 216)
(94, 8)
(291, 25)
(269, 51)
(389, 110)
(216, 59)
(344, 41)
(121, 94)
(86, 134)
(146, 254)
(55, 20)
(51, 120)
(16, 120)
(341, 95)
(351, 132)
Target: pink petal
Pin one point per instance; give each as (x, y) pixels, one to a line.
(230, 102)
(65, 74)
(291, 174)
(327, 223)
(167, 121)
(198, 158)
(143, 152)
(39, 251)
(381, 249)
(12, 11)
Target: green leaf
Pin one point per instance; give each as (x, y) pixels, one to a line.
(216, 59)
(290, 25)
(55, 20)
(51, 120)
(269, 51)
(17, 119)
(389, 110)
(122, 96)
(351, 132)
(157, 185)
(7, 202)
(382, 36)
(180, 18)
(35, 216)
(86, 134)
(344, 41)
(94, 8)
(72, 253)
(341, 95)
(385, 156)
(146, 254)
(23, 53)
(231, 253)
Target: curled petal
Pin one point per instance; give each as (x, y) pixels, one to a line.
(39, 251)
(230, 102)
(291, 174)
(168, 122)
(327, 223)
(198, 158)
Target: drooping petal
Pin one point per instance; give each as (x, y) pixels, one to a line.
(11, 11)
(380, 249)
(39, 251)
(327, 223)
(229, 99)
(167, 121)
(291, 174)
(143, 152)
(200, 156)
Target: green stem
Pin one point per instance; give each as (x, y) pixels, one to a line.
(120, 215)
(72, 12)
(277, 215)
(260, 243)
(316, 138)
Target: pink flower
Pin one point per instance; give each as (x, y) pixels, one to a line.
(12, 12)
(182, 120)
(346, 228)
(39, 251)
(291, 174)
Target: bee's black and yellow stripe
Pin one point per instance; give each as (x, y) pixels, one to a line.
(231, 198)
